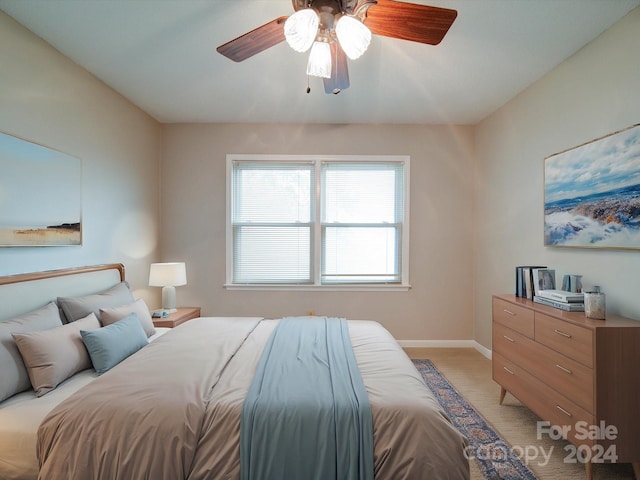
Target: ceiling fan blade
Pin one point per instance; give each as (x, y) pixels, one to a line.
(339, 71)
(255, 41)
(409, 21)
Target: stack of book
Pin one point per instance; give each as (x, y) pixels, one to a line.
(569, 301)
(532, 278)
(527, 280)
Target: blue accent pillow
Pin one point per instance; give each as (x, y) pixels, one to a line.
(109, 345)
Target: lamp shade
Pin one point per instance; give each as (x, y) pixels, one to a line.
(167, 274)
(353, 35)
(300, 29)
(319, 64)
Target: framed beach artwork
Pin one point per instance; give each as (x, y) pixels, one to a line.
(592, 193)
(40, 195)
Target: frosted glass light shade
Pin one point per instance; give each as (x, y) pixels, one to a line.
(319, 64)
(353, 35)
(300, 29)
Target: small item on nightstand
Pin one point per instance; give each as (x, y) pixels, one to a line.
(160, 313)
(594, 304)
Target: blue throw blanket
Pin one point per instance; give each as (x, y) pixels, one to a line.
(307, 415)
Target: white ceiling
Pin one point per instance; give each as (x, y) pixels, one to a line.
(161, 55)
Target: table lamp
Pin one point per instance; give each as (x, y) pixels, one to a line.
(168, 276)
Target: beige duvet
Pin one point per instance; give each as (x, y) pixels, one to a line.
(172, 410)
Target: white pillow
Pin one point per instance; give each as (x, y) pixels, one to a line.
(139, 307)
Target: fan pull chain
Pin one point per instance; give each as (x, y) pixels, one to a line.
(308, 87)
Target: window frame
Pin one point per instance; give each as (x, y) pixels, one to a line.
(317, 225)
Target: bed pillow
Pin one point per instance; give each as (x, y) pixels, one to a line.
(13, 373)
(51, 356)
(139, 307)
(75, 308)
(109, 345)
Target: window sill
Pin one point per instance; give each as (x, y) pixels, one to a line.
(323, 288)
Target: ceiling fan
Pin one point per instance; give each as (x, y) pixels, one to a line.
(335, 30)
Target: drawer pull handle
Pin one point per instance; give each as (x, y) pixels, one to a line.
(508, 371)
(560, 332)
(568, 414)
(509, 312)
(565, 370)
(509, 338)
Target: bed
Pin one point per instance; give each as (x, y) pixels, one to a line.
(172, 408)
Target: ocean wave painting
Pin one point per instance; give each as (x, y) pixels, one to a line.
(592, 193)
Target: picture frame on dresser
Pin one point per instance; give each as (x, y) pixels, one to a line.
(592, 193)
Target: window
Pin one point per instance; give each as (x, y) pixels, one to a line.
(316, 221)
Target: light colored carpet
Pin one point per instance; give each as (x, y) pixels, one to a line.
(470, 373)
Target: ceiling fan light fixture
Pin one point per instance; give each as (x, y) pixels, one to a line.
(353, 35)
(300, 29)
(319, 64)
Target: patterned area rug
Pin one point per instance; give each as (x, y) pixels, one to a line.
(495, 458)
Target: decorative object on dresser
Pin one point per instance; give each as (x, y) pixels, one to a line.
(569, 301)
(577, 374)
(567, 306)
(543, 279)
(595, 304)
(524, 280)
(562, 296)
(178, 317)
(572, 283)
(168, 276)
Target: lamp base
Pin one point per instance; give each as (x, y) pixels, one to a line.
(169, 299)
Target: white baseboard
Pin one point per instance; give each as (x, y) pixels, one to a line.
(483, 350)
(446, 344)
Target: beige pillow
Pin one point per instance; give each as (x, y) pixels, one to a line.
(13, 374)
(75, 308)
(51, 356)
(139, 307)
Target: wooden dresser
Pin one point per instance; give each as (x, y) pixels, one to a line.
(574, 372)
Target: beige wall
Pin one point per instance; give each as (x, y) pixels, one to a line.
(48, 99)
(595, 92)
(476, 192)
(438, 306)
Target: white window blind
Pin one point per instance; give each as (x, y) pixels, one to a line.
(273, 210)
(312, 220)
(362, 216)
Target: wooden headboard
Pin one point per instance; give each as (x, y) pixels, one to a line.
(27, 291)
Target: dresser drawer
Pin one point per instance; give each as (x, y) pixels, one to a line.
(511, 377)
(568, 377)
(513, 316)
(560, 411)
(572, 379)
(543, 400)
(563, 337)
(513, 346)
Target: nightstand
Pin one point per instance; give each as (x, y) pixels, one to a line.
(176, 318)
